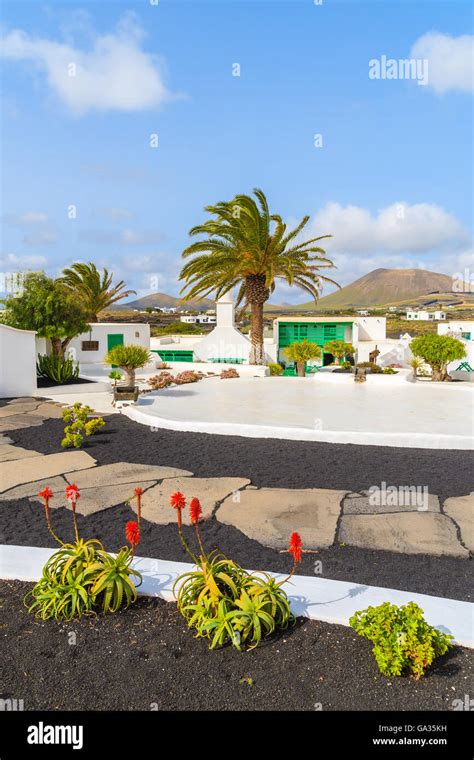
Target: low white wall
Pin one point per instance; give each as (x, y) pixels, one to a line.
(372, 328)
(18, 362)
(136, 334)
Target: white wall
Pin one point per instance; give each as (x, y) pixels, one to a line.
(457, 326)
(133, 334)
(17, 362)
(372, 328)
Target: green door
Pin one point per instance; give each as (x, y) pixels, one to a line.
(114, 339)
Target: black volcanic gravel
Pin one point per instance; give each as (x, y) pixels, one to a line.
(267, 462)
(22, 523)
(146, 658)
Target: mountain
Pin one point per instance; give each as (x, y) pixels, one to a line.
(163, 300)
(382, 287)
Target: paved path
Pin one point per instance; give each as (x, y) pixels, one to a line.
(405, 520)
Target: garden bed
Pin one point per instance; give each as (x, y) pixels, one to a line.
(266, 462)
(310, 666)
(45, 382)
(22, 523)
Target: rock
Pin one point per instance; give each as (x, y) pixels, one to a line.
(9, 452)
(57, 485)
(47, 410)
(209, 491)
(123, 472)
(96, 499)
(14, 409)
(15, 473)
(17, 421)
(364, 503)
(270, 515)
(407, 532)
(461, 510)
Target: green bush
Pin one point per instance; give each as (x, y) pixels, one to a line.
(78, 425)
(346, 365)
(403, 640)
(372, 366)
(128, 358)
(438, 351)
(275, 368)
(301, 352)
(57, 369)
(389, 371)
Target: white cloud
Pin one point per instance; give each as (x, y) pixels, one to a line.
(450, 60)
(116, 74)
(29, 218)
(11, 262)
(400, 227)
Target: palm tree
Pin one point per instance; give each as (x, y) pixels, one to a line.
(94, 288)
(301, 352)
(248, 247)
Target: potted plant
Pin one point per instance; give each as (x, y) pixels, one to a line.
(129, 359)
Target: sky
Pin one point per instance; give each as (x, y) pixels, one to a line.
(121, 121)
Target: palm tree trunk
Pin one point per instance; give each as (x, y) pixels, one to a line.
(129, 376)
(301, 369)
(257, 353)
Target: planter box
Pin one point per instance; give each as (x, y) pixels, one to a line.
(126, 393)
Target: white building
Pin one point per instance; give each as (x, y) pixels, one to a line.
(199, 319)
(463, 330)
(92, 346)
(420, 314)
(17, 362)
(458, 329)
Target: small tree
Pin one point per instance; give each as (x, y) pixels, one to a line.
(301, 353)
(438, 351)
(46, 306)
(339, 349)
(129, 359)
(416, 363)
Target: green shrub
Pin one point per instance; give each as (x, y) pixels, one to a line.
(301, 352)
(389, 371)
(438, 351)
(128, 358)
(275, 368)
(403, 640)
(346, 365)
(82, 576)
(115, 375)
(225, 603)
(372, 366)
(57, 369)
(78, 425)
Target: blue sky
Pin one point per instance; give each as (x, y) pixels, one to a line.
(391, 181)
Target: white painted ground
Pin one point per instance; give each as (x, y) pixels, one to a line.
(314, 598)
(386, 411)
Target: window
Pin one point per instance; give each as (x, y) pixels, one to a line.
(329, 332)
(303, 331)
(90, 345)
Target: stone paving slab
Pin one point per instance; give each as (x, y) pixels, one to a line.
(56, 483)
(364, 503)
(123, 472)
(270, 515)
(39, 468)
(96, 499)
(21, 408)
(209, 491)
(16, 421)
(48, 410)
(461, 510)
(9, 452)
(407, 533)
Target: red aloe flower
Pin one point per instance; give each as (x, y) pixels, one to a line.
(195, 511)
(139, 491)
(132, 533)
(295, 547)
(178, 501)
(46, 494)
(72, 495)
